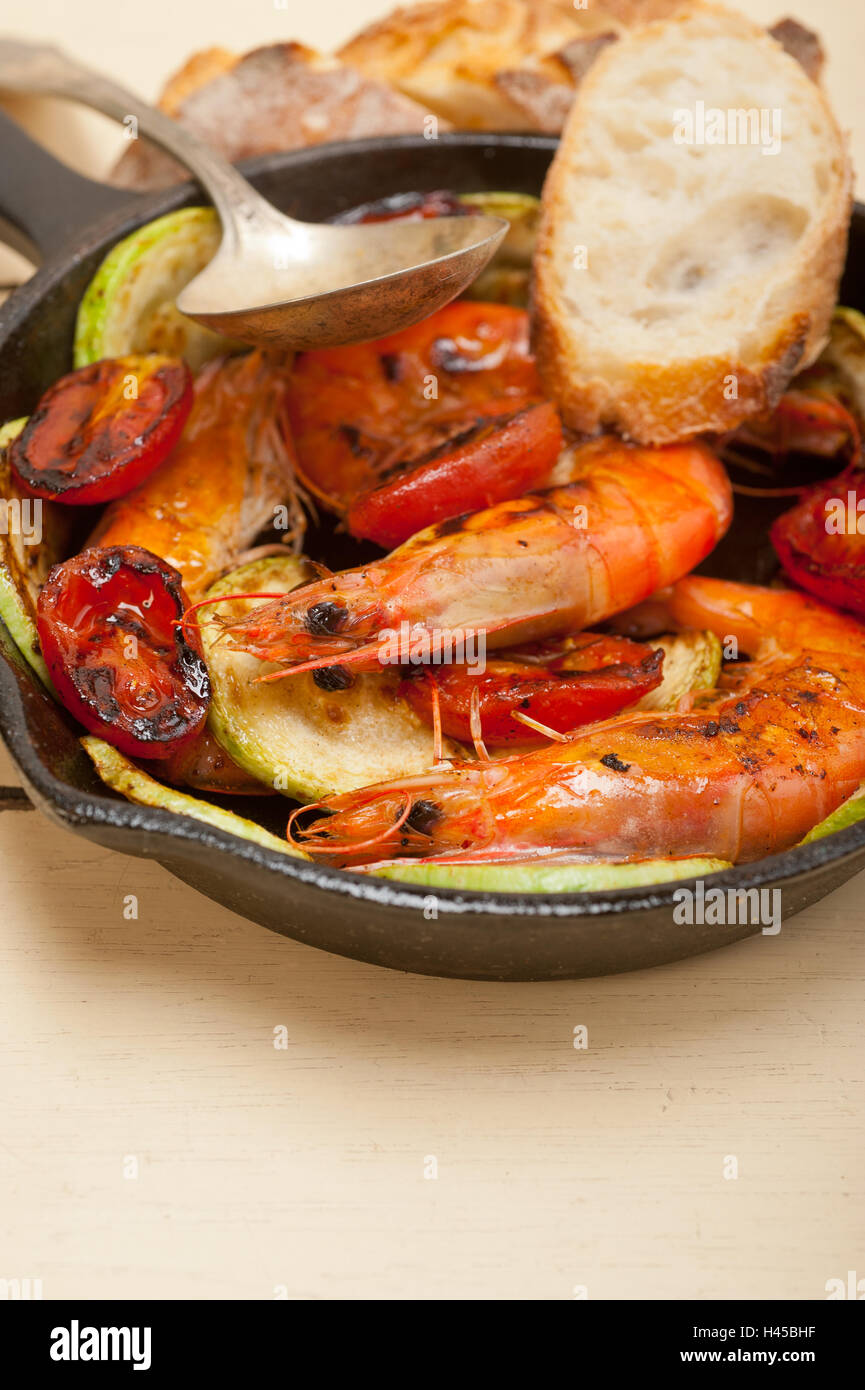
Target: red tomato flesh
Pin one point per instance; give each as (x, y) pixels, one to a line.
(595, 678)
(354, 411)
(484, 461)
(100, 431)
(820, 545)
(121, 666)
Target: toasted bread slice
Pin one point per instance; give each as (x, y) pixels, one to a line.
(510, 64)
(679, 283)
(447, 54)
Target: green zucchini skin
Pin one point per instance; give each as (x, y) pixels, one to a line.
(550, 878)
(128, 307)
(24, 567)
(850, 812)
(843, 358)
(124, 776)
(21, 626)
(506, 279)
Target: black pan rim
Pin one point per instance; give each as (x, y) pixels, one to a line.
(78, 810)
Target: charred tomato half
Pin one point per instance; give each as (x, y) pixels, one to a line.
(99, 431)
(120, 659)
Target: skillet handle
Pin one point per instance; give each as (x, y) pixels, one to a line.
(45, 206)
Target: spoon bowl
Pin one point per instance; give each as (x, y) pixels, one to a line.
(302, 285)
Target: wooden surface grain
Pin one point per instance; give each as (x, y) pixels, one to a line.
(146, 1045)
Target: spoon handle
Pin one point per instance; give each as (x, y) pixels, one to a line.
(41, 69)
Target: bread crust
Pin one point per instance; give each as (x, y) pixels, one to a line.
(199, 69)
(802, 44)
(659, 403)
(462, 58)
(281, 97)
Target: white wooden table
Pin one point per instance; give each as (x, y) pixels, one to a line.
(156, 1143)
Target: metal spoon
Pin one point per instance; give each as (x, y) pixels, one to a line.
(274, 280)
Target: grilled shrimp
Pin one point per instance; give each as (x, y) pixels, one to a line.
(746, 775)
(224, 480)
(631, 521)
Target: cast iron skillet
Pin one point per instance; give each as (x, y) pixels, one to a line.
(49, 210)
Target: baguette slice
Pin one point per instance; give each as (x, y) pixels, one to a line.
(710, 270)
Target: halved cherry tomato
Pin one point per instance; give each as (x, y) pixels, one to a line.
(485, 462)
(354, 411)
(100, 431)
(820, 545)
(406, 207)
(592, 678)
(107, 622)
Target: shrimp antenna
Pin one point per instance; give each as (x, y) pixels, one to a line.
(331, 849)
(475, 726)
(346, 656)
(223, 598)
(745, 491)
(437, 719)
(538, 727)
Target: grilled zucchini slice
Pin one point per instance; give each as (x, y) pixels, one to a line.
(305, 742)
(552, 878)
(124, 776)
(129, 307)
